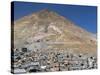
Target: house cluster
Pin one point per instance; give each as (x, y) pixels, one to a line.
(50, 60)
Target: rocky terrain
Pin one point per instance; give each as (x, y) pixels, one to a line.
(45, 41)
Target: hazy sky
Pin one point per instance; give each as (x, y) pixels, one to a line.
(83, 16)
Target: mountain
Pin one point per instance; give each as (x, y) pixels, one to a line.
(46, 29)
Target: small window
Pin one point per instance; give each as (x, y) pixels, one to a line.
(91, 57)
(67, 56)
(18, 58)
(80, 55)
(24, 49)
(38, 41)
(82, 64)
(23, 61)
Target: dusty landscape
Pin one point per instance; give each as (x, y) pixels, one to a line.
(45, 41)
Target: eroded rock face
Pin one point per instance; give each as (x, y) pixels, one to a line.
(46, 39)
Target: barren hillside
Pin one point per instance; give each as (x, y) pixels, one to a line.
(48, 30)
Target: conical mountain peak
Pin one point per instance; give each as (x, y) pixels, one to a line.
(46, 10)
(46, 13)
(48, 25)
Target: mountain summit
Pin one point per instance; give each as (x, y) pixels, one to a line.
(48, 30)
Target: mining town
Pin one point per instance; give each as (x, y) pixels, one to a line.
(51, 60)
